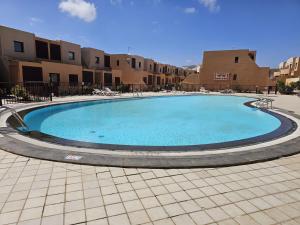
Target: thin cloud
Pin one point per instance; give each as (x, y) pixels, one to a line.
(79, 8)
(189, 10)
(212, 5)
(35, 20)
(116, 2)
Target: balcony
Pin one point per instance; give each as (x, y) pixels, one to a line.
(285, 71)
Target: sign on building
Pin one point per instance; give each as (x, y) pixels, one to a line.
(222, 76)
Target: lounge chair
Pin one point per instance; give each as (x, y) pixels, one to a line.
(98, 92)
(110, 92)
(203, 90)
(227, 91)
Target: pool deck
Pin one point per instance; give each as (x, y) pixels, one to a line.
(34, 191)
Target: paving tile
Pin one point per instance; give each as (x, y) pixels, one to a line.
(201, 217)
(217, 214)
(75, 217)
(30, 222)
(93, 202)
(95, 213)
(233, 210)
(55, 209)
(183, 220)
(118, 220)
(262, 218)
(98, 222)
(34, 202)
(115, 209)
(247, 207)
(190, 206)
(74, 205)
(181, 196)
(51, 220)
(129, 195)
(174, 209)
(138, 217)
(157, 213)
(133, 205)
(246, 220)
(163, 222)
(150, 202)
(54, 199)
(33, 213)
(111, 199)
(13, 206)
(9, 217)
(166, 199)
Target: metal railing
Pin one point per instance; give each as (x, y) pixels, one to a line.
(38, 91)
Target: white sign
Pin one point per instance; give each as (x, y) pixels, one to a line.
(222, 76)
(73, 157)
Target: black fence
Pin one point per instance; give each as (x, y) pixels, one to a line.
(39, 91)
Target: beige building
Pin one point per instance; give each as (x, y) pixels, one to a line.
(235, 69)
(25, 58)
(288, 71)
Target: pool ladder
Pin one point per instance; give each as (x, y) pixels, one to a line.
(17, 116)
(264, 103)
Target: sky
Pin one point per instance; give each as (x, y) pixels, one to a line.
(170, 31)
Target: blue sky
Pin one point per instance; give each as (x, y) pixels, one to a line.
(171, 31)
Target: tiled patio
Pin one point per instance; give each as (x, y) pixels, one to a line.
(38, 192)
(41, 192)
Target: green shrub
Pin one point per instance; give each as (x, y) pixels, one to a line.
(285, 89)
(20, 92)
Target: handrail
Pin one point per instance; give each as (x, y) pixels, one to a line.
(17, 116)
(264, 102)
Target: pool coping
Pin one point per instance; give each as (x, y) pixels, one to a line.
(286, 127)
(16, 143)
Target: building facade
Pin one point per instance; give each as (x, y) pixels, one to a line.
(288, 71)
(234, 69)
(25, 58)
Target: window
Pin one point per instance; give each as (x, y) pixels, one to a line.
(107, 61)
(117, 81)
(97, 60)
(73, 79)
(41, 49)
(150, 67)
(140, 64)
(150, 79)
(19, 46)
(158, 80)
(32, 74)
(236, 59)
(71, 55)
(234, 76)
(133, 63)
(55, 52)
(87, 77)
(108, 79)
(54, 78)
(145, 80)
(118, 63)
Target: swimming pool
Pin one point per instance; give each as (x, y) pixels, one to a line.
(158, 121)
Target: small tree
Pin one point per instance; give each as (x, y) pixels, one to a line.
(21, 92)
(285, 89)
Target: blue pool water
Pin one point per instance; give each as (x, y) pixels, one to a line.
(161, 121)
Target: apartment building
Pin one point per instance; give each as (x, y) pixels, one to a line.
(236, 69)
(25, 58)
(288, 71)
(99, 63)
